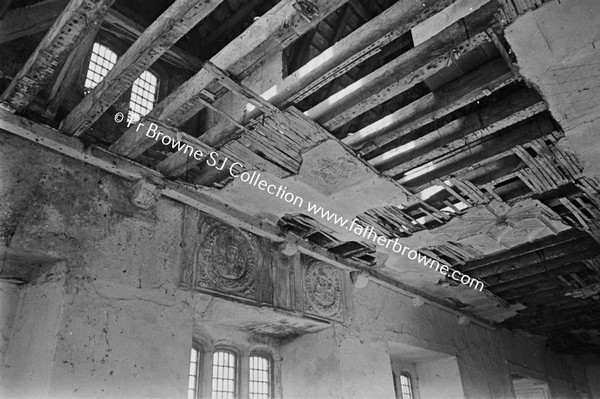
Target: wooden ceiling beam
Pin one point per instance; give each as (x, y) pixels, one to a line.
(533, 258)
(65, 33)
(463, 91)
(391, 80)
(26, 21)
(494, 148)
(29, 20)
(404, 72)
(507, 274)
(562, 238)
(69, 72)
(163, 33)
(467, 141)
(271, 33)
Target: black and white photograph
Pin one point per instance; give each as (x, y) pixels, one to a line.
(300, 199)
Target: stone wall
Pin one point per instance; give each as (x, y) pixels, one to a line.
(106, 317)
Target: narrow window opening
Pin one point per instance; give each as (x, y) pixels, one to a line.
(260, 377)
(224, 376)
(194, 374)
(406, 386)
(101, 61)
(143, 95)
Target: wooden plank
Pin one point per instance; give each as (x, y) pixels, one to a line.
(266, 36)
(240, 89)
(64, 35)
(167, 29)
(463, 91)
(129, 31)
(27, 21)
(390, 80)
(461, 142)
(406, 71)
(39, 17)
(69, 72)
(353, 49)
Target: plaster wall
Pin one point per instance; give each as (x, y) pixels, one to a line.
(556, 47)
(107, 320)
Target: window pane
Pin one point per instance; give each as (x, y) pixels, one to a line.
(224, 375)
(260, 378)
(143, 95)
(193, 391)
(101, 61)
(406, 386)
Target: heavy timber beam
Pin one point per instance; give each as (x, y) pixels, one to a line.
(472, 128)
(26, 21)
(69, 28)
(167, 29)
(188, 195)
(405, 72)
(483, 150)
(361, 44)
(525, 292)
(534, 258)
(271, 33)
(507, 275)
(562, 238)
(463, 91)
(69, 72)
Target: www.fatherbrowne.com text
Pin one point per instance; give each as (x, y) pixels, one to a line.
(236, 170)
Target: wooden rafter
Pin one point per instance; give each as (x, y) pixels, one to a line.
(345, 54)
(463, 91)
(27, 21)
(466, 141)
(167, 29)
(406, 71)
(68, 30)
(269, 34)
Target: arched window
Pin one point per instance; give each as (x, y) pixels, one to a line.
(194, 374)
(260, 377)
(406, 389)
(143, 95)
(224, 375)
(101, 61)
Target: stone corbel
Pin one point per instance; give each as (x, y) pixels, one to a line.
(144, 194)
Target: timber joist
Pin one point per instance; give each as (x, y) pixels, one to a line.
(66, 32)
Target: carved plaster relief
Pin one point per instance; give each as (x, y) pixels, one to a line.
(323, 290)
(498, 226)
(227, 260)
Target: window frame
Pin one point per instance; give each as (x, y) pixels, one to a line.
(237, 367)
(271, 370)
(111, 49)
(408, 376)
(199, 369)
(156, 92)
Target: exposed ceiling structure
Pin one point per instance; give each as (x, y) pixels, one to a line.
(410, 116)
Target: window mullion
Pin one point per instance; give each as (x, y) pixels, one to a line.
(244, 377)
(205, 376)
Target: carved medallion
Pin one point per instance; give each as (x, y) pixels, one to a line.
(332, 170)
(227, 261)
(323, 290)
